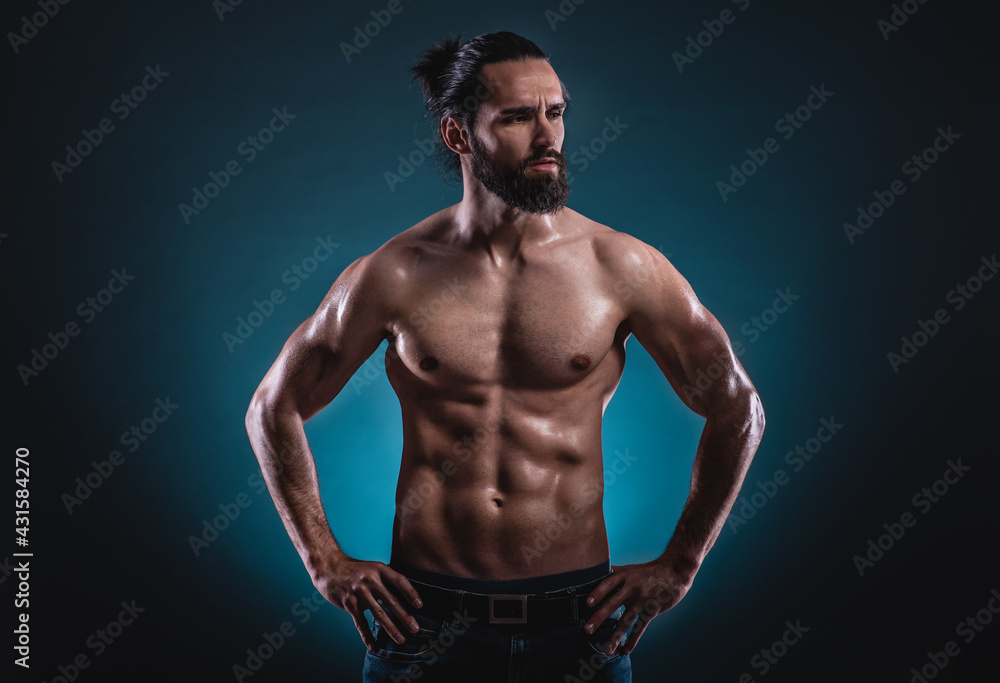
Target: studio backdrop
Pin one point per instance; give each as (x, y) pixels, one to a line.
(185, 181)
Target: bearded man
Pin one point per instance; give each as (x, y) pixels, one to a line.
(506, 317)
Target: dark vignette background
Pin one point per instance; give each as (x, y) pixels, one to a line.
(323, 177)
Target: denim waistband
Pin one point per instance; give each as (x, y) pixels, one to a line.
(529, 586)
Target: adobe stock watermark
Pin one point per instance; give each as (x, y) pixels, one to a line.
(248, 148)
(753, 329)
(418, 494)
(590, 494)
(562, 12)
(420, 319)
(98, 643)
(408, 164)
(768, 656)
(87, 310)
(424, 148)
(900, 14)
(123, 106)
(7, 568)
(223, 7)
(745, 508)
(212, 528)
(590, 666)
(362, 38)
(272, 641)
(913, 169)
(132, 439)
(31, 25)
(958, 297)
(787, 125)
(636, 279)
(585, 154)
(967, 629)
(924, 500)
(437, 646)
(696, 45)
(294, 276)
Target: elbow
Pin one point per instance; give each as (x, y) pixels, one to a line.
(741, 407)
(269, 420)
(745, 401)
(260, 413)
(755, 413)
(252, 418)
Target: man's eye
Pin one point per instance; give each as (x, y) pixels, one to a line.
(556, 114)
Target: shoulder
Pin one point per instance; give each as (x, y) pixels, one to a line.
(396, 257)
(378, 278)
(636, 266)
(643, 280)
(615, 251)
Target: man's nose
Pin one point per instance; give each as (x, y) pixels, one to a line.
(545, 133)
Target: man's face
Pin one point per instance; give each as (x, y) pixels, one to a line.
(517, 141)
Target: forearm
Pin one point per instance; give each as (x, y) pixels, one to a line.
(727, 446)
(286, 461)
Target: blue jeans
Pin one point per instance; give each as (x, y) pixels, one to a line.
(460, 648)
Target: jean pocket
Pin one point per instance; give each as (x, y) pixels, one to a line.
(418, 647)
(598, 640)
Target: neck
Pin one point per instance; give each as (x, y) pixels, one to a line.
(485, 222)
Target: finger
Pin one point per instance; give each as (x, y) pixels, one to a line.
(379, 612)
(361, 624)
(622, 628)
(612, 603)
(603, 588)
(633, 638)
(405, 588)
(397, 608)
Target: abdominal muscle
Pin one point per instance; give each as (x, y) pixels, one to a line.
(519, 496)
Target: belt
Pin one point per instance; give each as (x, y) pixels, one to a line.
(542, 609)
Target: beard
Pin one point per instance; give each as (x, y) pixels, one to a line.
(536, 192)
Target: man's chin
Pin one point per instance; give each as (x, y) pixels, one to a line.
(539, 205)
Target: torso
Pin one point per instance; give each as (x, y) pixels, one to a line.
(503, 374)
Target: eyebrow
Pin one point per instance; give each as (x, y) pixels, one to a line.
(529, 109)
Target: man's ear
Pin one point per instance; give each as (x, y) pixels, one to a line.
(455, 136)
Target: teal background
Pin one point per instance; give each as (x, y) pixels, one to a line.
(324, 176)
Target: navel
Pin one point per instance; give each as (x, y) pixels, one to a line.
(580, 361)
(428, 363)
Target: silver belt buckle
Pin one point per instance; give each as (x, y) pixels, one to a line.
(523, 619)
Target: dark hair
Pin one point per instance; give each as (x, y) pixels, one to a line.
(450, 78)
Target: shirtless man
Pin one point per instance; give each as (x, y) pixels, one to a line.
(506, 317)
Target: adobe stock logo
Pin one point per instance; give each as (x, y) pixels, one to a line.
(696, 45)
(123, 106)
(363, 38)
(43, 355)
(294, 276)
(787, 125)
(958, 297)
(30, 26)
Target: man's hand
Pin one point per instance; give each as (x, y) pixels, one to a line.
(646, 590)
(356, 585)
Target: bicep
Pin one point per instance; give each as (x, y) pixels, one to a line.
(328, 348)
(688, 344)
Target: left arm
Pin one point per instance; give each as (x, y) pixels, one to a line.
(682, 337)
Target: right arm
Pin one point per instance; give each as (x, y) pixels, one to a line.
(314, 365)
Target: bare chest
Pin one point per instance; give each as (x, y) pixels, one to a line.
(544, 325)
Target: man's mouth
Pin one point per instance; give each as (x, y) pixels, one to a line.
(545, 164)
